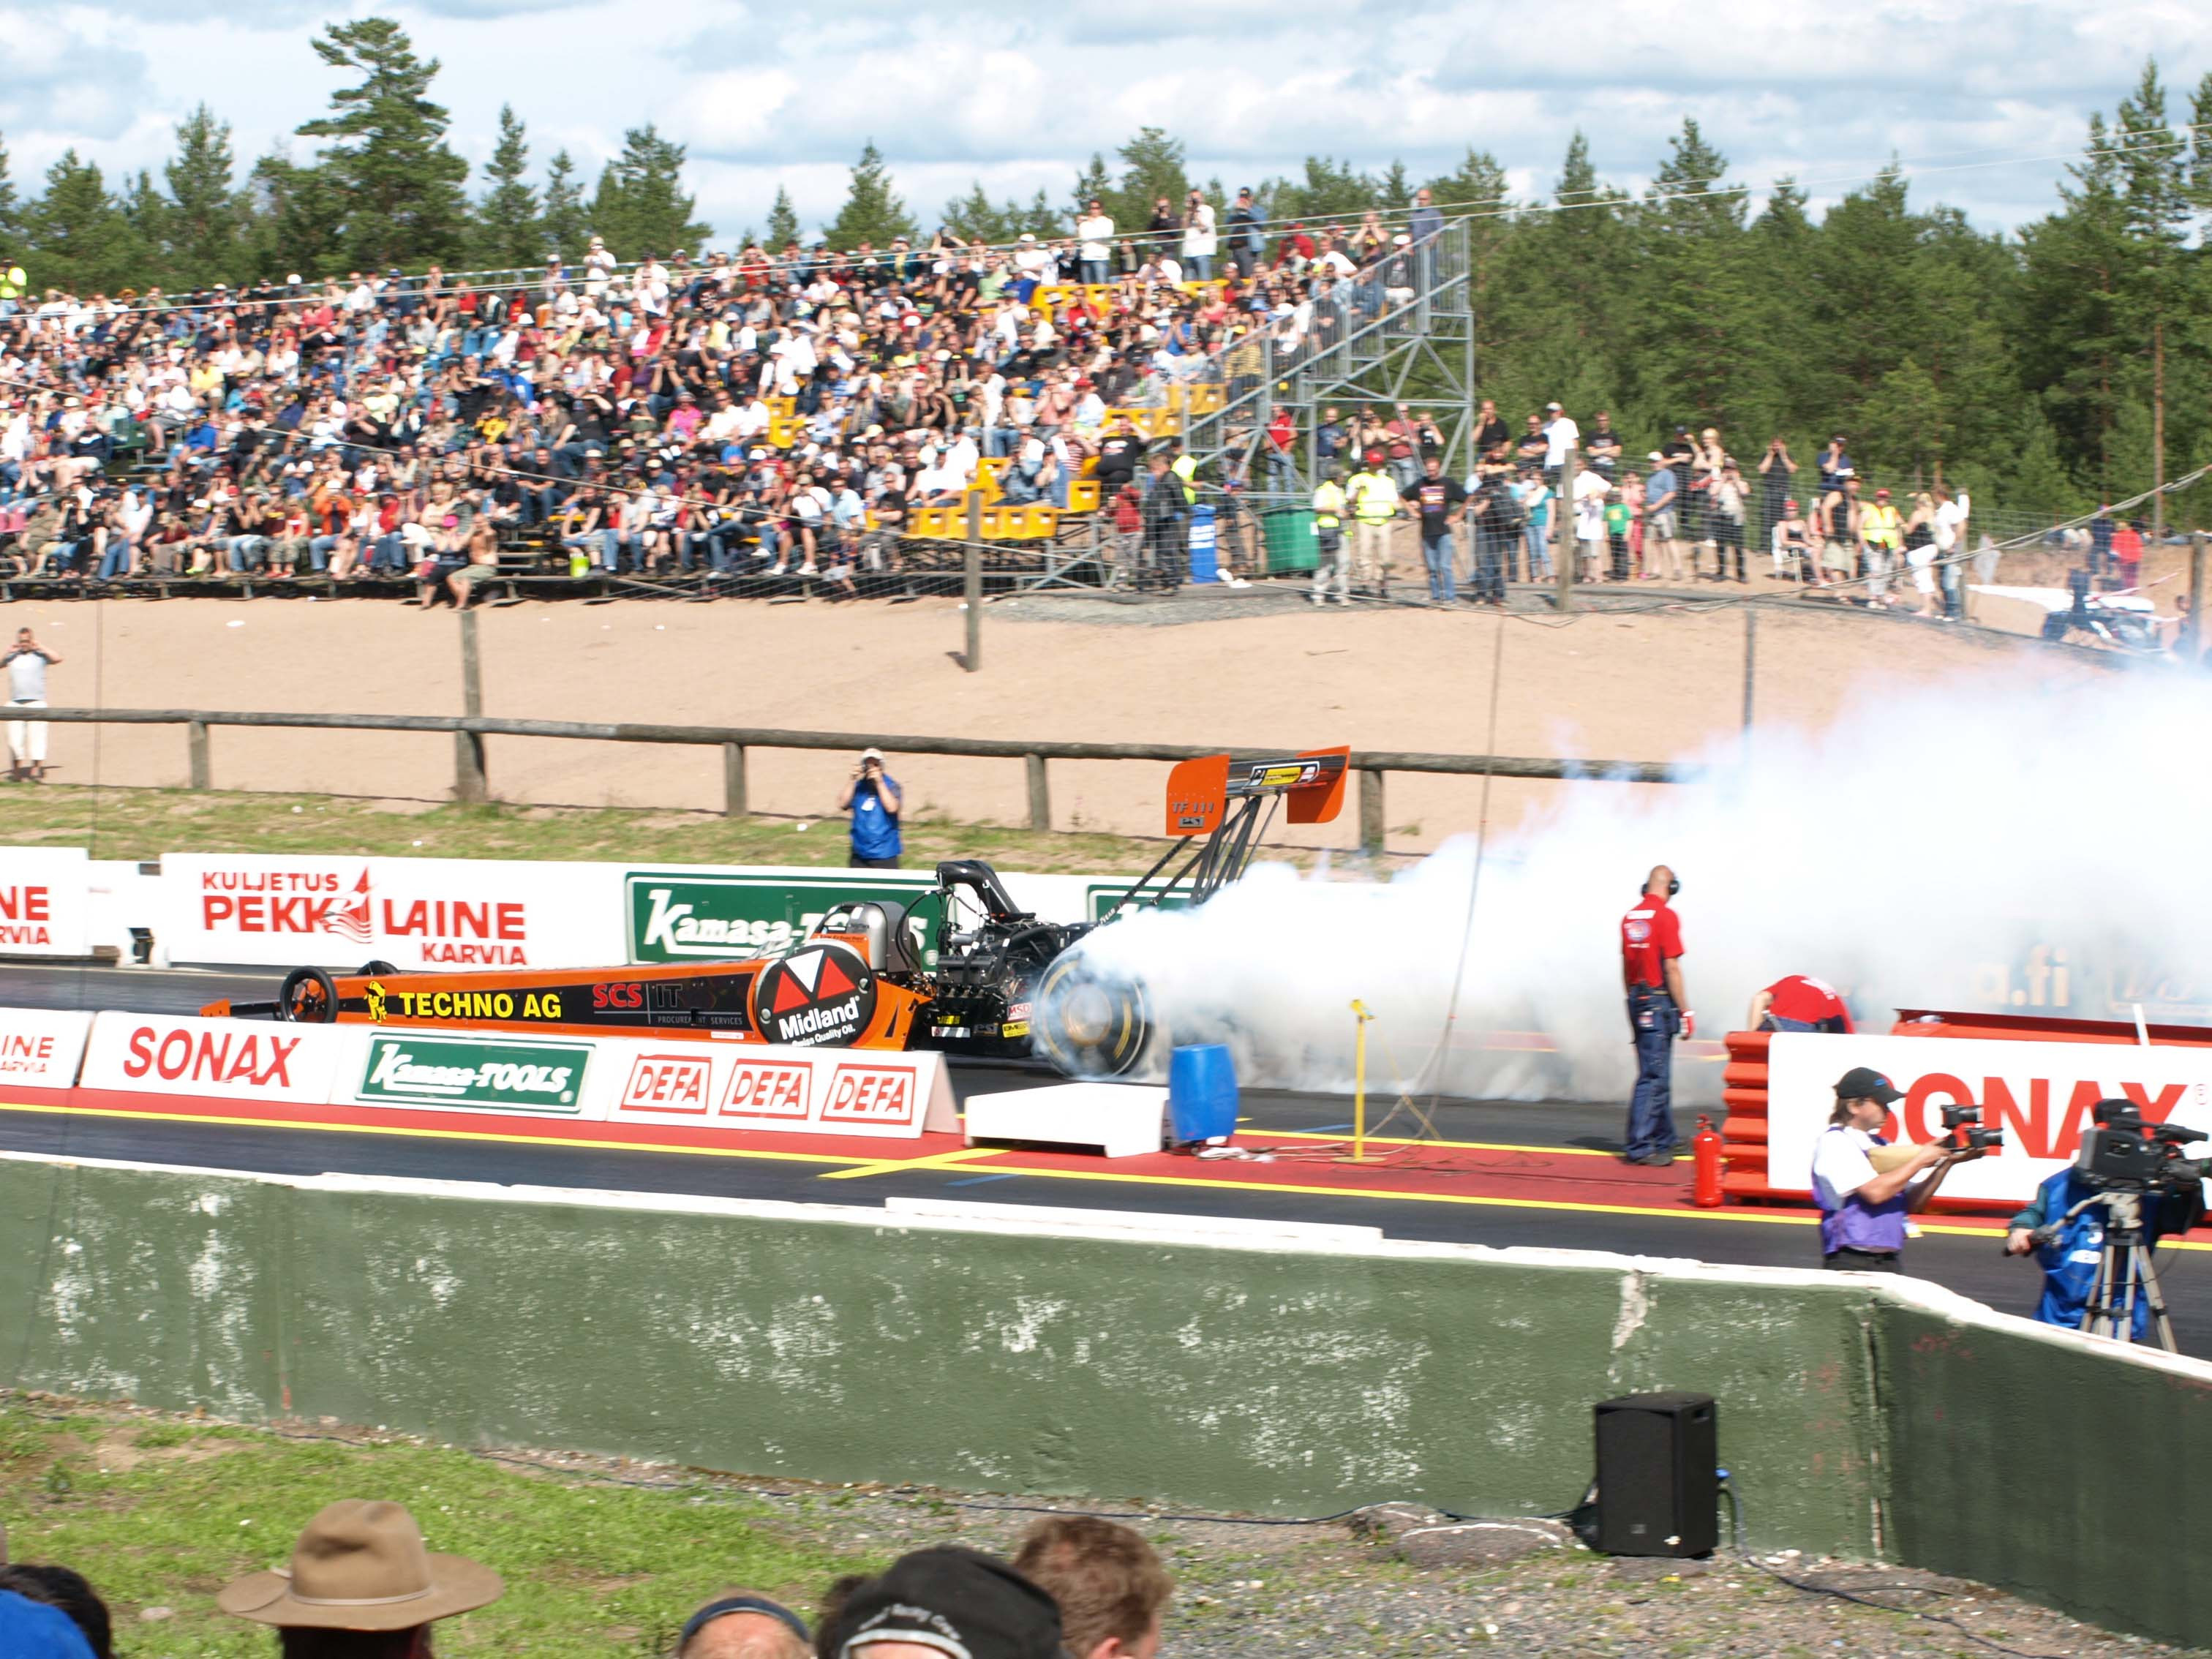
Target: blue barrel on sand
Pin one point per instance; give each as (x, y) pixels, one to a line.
(1202, 1093)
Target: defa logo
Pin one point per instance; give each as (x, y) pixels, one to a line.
(533, 1077)
(870, 1094)
(667, 1082)
(769, 1088)
(822, 994)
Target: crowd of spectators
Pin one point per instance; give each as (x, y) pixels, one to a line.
(1690, 512)
(359, 1583)
(757, 413)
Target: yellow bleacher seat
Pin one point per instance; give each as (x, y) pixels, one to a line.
(786, 407)
(1206, 399)
(1083, 496)
(1038, 523)
(1001, 523)
(928, 522)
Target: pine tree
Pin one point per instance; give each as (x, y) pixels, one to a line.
(2157, 211)
(640, 207)
(1330, 189)
(1095, 184)
(11, 211)
(297, 219)
(782, 222)
(84, 243)
(389, 163)
(1151, 168)
(1694, 298)
(508, 233)
(205, 212)
(872, 211)
(564, 223)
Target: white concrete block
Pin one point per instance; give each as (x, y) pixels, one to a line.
(1123, 1120)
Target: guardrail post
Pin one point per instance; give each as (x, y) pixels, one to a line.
(2192, 631)
(971, 583)
(196, 745)
(1562, 532)
(1040, 795)
(469, 781)
(1370, 813)
(733, 780)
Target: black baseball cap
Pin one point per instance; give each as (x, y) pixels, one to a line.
(959, 1603)
(1864, 1083)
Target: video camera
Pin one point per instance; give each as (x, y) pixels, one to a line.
(1962, 1128)
(2122, 1153)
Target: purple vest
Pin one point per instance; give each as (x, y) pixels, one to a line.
(1856, 1224)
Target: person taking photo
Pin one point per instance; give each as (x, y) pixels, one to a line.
(874, 797)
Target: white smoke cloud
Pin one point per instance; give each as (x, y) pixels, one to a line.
(1998, 840)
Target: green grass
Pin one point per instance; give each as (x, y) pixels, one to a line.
(142, 823)
(163, 1514)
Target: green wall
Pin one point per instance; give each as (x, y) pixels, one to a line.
(836, 1344)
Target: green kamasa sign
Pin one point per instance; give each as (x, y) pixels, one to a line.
(678, 917)
(441, 1071)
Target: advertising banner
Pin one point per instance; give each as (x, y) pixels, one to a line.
(425, 1068)
(224, 1059)
(41, 1046)
(843, 1091)
(44, 901)
(339, 913)
(2039, 1093)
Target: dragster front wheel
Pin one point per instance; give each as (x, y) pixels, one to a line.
(1088, 1023)
(307, 997)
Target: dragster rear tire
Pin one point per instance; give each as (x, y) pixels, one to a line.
(1090, 1024)
(307, 997)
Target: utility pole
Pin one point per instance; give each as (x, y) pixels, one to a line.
(1563, 517)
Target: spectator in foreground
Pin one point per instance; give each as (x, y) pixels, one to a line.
(66, 1592)
(360, 1586)
(945, 1603)
(874, 797)
(1112, 1590)
(744, 1625)
(26, 666)
(33, 1629)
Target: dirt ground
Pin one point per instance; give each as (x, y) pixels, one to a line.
(1656, 685)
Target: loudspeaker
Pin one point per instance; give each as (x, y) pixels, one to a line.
(1658, 1475)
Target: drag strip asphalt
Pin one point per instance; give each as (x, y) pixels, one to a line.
(1646, 1222)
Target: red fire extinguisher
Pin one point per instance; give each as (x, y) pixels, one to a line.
(1705, 1156)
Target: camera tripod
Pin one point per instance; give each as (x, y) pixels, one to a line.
(2125, 1271)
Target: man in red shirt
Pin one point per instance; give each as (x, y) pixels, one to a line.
(2128, 554)
(1799, 1002)
(1651, 969)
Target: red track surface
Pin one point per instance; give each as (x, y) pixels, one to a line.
(1450, 1172)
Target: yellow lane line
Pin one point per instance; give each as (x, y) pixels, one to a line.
(952, 1160)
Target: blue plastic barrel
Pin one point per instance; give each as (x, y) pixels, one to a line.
(1202, 1093)
(1205, 565)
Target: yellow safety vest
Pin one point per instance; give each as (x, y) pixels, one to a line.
(1329, 506)
(1185, 467)
(1879, 526)
(1377, 496)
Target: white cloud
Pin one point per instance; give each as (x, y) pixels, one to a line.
(956, 90)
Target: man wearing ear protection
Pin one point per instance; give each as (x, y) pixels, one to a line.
(1658, 1011)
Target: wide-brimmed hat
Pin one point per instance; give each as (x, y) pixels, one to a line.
(361, 1566)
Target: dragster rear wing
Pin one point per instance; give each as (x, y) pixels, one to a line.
(1199, 790)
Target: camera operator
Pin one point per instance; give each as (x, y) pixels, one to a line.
(2069, 1241)
(874, 798)
(1862, 1209)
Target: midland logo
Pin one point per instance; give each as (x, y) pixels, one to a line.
(822, 994)
(533, 1077)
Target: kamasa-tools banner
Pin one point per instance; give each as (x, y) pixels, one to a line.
(220, 1059)
(341, 912)
(840, 1091)
(2039, 1094)
(41, 1046)
(44, 901)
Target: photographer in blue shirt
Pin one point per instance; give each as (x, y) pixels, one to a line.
(873, 796)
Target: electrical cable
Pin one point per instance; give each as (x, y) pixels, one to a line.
(1735, 1514)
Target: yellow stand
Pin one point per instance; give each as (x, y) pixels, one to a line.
(1359, 1084)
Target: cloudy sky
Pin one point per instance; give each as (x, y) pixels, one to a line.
(1982, 101)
